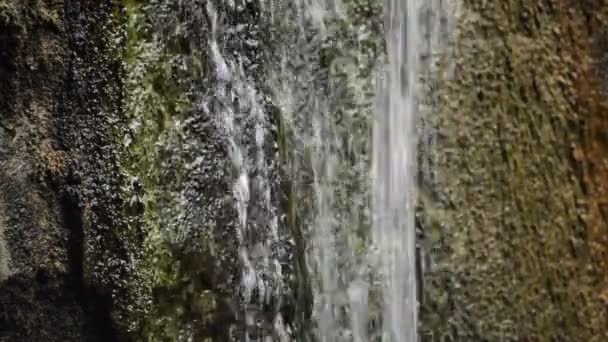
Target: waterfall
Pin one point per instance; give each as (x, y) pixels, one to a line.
(393, 170)
(299, 130)
(348, 79)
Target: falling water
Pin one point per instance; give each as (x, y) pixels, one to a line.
(240, 110)
(322, 84)
(334, 85)
(393, 170)
(358, 194)
(362, 258)
(336, 72)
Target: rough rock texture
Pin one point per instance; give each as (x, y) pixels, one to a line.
(522, 158)
(191, 66)
(63, 246)
(117, 220)
(105, 236)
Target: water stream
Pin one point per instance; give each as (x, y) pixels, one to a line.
(348, 79)
(393, 169)
(344, 77)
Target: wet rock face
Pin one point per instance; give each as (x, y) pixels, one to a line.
(207, 56)
(60, 203)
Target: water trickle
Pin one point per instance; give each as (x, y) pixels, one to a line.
(240, 109)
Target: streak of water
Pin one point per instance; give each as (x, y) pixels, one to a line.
(323, 87)
(393, 170)
(240, 108)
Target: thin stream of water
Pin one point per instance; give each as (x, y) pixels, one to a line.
(393, 169)
(240, 111)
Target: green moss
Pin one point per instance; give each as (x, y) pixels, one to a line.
(153, 100)
(176, 277)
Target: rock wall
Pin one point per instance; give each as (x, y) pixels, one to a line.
(104, 237)
(116, 215)
(64, 255)
(520, 157)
